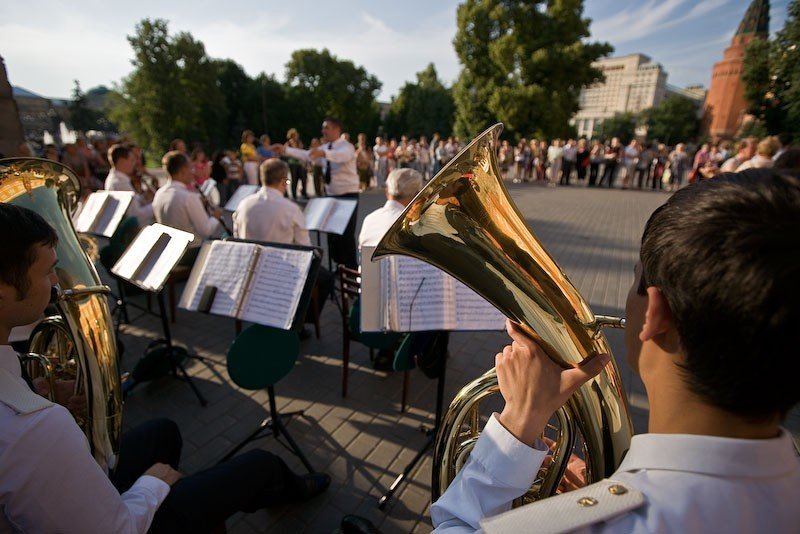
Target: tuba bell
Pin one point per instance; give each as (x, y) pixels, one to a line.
(464, 222)
(77, 343)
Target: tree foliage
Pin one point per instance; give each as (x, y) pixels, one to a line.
(422, 108)
(524, 64)
(772, 76)
(622, 125)
(319, 84)
(674, 119)
(81, 116)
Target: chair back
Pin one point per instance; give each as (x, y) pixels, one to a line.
(350, 288)
(261, 356)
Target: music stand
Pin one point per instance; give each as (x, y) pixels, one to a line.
(147, 263)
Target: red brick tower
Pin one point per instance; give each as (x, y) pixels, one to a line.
(725, 104)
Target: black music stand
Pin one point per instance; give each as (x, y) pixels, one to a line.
(136, 266)
(429, 432)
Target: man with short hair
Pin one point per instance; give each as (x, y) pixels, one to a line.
(174, 205)
(402, 185)
(49, 481)
(123, 163)
(766, 149)
(745, 150)
(712, 331)
(269, 215)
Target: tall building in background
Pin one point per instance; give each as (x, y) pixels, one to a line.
(725, 104)
(633, 83)
(10, 126)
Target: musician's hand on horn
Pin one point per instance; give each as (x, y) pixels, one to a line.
(164, 472)
(534, 386)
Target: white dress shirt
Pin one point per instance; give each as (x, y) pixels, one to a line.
(691, 483)
(174, 205)
(378, 222)
(269, 216)
(139, 207)
(342, 156)
(49, 481)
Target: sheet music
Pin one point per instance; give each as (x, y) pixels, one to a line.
(242, 192)
(317, 211)
(340, 214)
(422, 296)
(473, 312)
(226, 268)
(102, 212)
(276, 286)
(150, 258)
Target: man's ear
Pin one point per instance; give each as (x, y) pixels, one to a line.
(658, 317)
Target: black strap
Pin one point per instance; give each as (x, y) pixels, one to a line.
(328, 166)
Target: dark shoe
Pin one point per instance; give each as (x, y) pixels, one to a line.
(314, 484)
(353, 524)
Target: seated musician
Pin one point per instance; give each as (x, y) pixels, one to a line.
(49, 481)
(174, 205)
(712, 331)
(123, 164)
(402, 185)
(270, 216)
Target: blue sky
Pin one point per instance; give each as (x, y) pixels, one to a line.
(46, 46)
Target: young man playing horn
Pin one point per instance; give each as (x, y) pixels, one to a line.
(712, 331)
(49, 481)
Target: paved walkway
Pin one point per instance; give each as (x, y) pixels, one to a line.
(363, 440)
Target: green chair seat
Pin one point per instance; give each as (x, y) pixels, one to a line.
(261, 356)
(372, 340)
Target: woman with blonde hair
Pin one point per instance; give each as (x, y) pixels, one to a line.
(250, 158)
(297, 168)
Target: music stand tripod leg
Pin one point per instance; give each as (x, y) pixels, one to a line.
(279, 429)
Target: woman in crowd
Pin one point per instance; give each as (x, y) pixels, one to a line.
(250, 158)
(363, 162)
(582, 160)
(296, 168)
(555, 156)
(678, 165)
(201, 168)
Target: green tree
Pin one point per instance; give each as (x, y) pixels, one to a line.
(81, 116)
(524, 64)
(172, 91)
(772, 76)
(422, 108)
(622, 125)
(320, 84)
(674, 119)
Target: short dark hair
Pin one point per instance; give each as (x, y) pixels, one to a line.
(118, 152)
(273, 171)
(724, 254)
(785, 139)
(21, 230)
(174, 161)
(334, 121)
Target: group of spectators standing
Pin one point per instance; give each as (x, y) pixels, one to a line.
(652, 166)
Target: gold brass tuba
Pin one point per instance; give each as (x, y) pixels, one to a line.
(77, 343)
(464, 222)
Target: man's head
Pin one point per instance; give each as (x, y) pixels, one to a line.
(402, 185)
(177, 166)
(177, 145)
(121, 158)
(717, 293)
(26, 266)
(265, 141)
(785, 139)
(274, 173)
(768, 147)
(331, 129)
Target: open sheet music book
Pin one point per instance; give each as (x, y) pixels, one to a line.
(255, 283)
(242, 192)
(150, 258)
(329, 214)
(402, 294)
(102, 212)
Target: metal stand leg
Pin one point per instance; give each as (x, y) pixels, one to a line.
(174, 361)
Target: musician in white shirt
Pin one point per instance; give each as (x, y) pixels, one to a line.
(123, 162)
(174, 205)
(49, 481)
(269, 215)
(341, 180)
(402, 185)
(712, 332)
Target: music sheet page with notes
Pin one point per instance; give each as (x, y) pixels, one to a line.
(421, 296)
(226, 268)
(473, 312)
(276, 286)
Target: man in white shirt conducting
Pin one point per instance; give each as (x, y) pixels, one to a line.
(341, 180)
(123, 162)
(712, 331)
(174, 205)
(49, 481)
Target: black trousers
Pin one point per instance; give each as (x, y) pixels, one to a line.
(298, 177)
(609, 173)
(566, 171)
(594, 168)
(342, 248)
(201, 502)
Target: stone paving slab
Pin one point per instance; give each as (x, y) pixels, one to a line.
(363, 440)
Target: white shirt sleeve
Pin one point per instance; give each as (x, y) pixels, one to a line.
(60, 488)
(500, 469)
(203, 224)
(341, 154)
(301, 236)
(297, 153)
